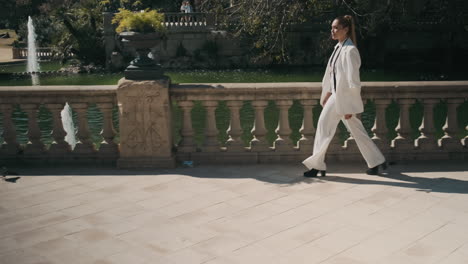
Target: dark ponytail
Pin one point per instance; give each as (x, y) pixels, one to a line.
(347, 21)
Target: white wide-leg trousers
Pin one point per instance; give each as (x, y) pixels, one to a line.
(326, 128)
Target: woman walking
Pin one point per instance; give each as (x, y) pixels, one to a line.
(341, 100)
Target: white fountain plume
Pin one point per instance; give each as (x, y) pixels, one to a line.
(33, 67)
(68, 126)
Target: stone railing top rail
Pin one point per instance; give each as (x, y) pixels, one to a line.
(59, 93)
(312, 90)
(240, 91)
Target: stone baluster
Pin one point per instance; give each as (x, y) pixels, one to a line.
(449, 141)
(234, 143)
(427, 140)
(259, 131)
(10, 146)
(211, 143)
(187, 144)
(283, 142)
(403, 141)
(306, 142)
(59, 146)
(108, 147)
(380, 129)
(35, 145)
(85, 145)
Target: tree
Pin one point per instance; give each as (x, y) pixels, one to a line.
(266, 23)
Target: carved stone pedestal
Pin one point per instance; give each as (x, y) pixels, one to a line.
(145, 124)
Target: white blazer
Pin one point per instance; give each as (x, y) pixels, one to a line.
(348, 83)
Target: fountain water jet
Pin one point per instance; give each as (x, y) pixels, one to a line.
(33, 68)
(33, 64)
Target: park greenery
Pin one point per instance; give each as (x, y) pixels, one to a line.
(76, 26)
(144, 22)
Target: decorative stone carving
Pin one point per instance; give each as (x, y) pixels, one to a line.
(108, 148)
(380, 125)
(427, 140)
(283, 142)
(35, 145)
(84, 146)
(259, 142)
(11, 146)
(449, 141)
(306, 142)
(211, 143)
(145, 124)
(143, 67)
(59, 146)
(187, 144)
(234, 143)
(403, 141)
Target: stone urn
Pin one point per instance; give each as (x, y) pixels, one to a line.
(142, 67)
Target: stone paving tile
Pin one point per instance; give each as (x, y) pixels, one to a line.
(124, 258)
(54, 246)
(189, 256)
(344, 260)
(249, 214)
(438, 244)
(454, 258)
(393, 239)
(71, 226)
(23, 256)
(197, 202)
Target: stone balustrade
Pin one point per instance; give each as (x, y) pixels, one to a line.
(189, 21)
(30, 98)
(148, 113)
(382, 94)
(42, 53)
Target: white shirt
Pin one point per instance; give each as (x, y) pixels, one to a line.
(348, 82)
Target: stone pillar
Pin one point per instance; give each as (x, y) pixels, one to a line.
(145, 124)
(84, 146)
(283, 142)
(108, 148)
(35, 146)
(59, 146)
(380, 129)
(427, 140)
(10, 146)
(187, 144)
(211, 143)
(234, 143)
(259, 142)
(403, 141)
(449, 141)
(306, 142)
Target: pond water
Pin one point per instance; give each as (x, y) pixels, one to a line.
(292, 74)
(278, 74)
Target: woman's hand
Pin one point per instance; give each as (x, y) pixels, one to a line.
(348, 116)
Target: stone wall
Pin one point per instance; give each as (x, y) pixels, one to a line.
(146, 123)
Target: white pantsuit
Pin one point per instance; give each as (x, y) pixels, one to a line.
(345, 99)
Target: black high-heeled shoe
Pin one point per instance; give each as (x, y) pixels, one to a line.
(375, 170)
(313, 173)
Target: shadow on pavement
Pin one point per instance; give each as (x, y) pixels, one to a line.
(290, 174)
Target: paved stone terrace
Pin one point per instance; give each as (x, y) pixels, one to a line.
(417, 213)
